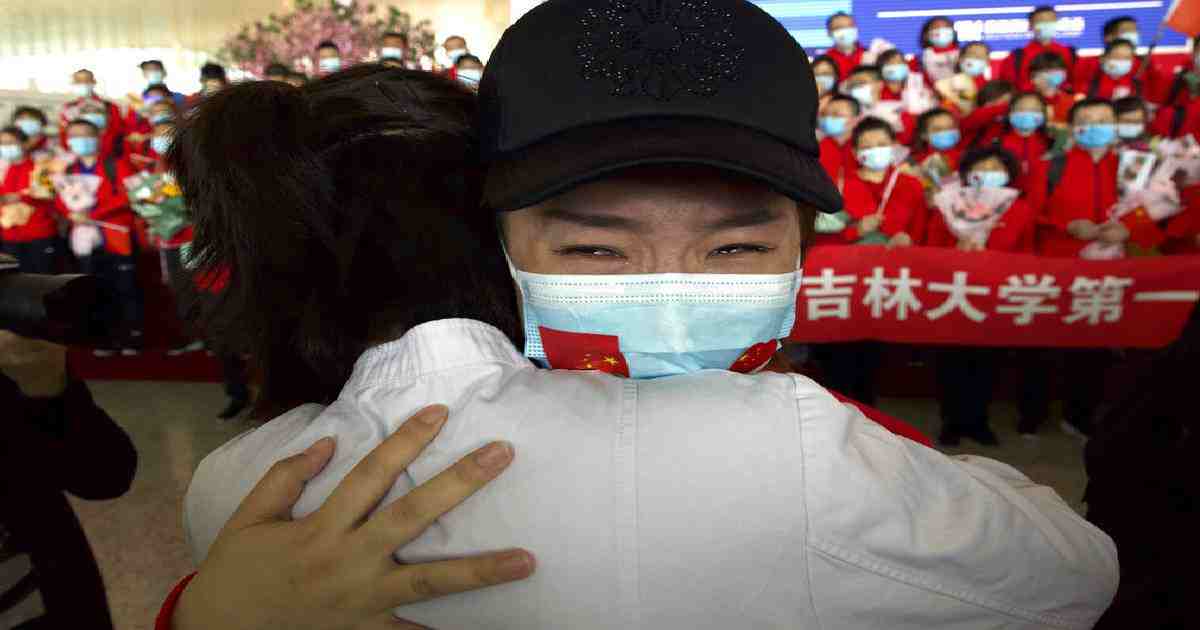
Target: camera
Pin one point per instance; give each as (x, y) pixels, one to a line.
(57, 308)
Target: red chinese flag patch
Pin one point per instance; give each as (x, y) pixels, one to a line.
(757, 356)
(583, 351)
(1143, 231)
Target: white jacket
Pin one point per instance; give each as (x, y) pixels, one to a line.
(711, 500)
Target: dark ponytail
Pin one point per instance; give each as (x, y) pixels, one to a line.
(347, 211)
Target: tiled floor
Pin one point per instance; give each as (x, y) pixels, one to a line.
(138, 540)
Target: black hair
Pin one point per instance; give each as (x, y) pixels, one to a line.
(1111, 25)
(467, 57)
(826, 59)
(29, 110)
(921, 127)
(870, 69)
(923, 37)
(1130, 104)
(276, 69)
(328, 43)
(962, 51)
(975, 156)
(157, 87)
(348, 213)
(1017, 98)
(395, 34)
(1043, 8)
(842, 98)
(298, 75)
(212, 71)
(82, 121)
(1117, 43)
(871, 123)
(993, 90)
(152, 62)
(829, 20)
(1090, 101)
(15, 131)
(888, 54)
(1047, 60)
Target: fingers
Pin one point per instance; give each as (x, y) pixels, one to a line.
(419, 582)
(405, 519)
(278, 491)
(370, 480)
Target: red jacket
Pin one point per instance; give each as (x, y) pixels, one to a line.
(846, 63)
(904, 212)
(1172, 121)
(114, 131)
(1183, 228)
(953, 155)
(1027, 149)
(1103, 86)
(1014, 232)
(837, 159)
(1060, 106)
(112, 204)
(41, 224)
(984, 125)
(1085, 190)
(1020, 76)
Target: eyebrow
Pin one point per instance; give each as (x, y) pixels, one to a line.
(591, 220)
(749, 218)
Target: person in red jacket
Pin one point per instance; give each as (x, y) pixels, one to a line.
(34, 243)
(827, 76)
(964, 374)
(113, 260)
(1116, 77)
(985, 124)
(936, 134)
(105, 115)
(138, 125)
(32, 121)
(836, 124)
(1043, 26)
(894, 70)
(1049, 72)
(866, 84)
(939, 54)
(1183, 230)
(1179, 97)
(846, 52)
(1025, 134)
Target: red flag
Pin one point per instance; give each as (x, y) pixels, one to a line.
(1184, 16)
(1143, 231)
(757, 356)
(583, 351)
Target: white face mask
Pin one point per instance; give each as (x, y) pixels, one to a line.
(455, 55)
(470, 76)
(330, 64)
(388, 52)
(863, 94)
(82, 90)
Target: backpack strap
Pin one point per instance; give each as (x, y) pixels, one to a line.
(110, 171)
(1058, 163)
(1018, 57)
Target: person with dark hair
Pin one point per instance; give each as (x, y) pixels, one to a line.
(212, 80)
(990, 167)
(937, 135)
(32, 122)
(1043, 26)
(1025, 134)
(393, 49)
(1116, 78)
(155, 73)
(866, 85)
(826, 74)
(894, 70)
(1049, 76)
(469, 70)
(1132, 132)
(939, 54)
(28, 230)
(137, 118)
(105, 115)
(846, 51)
(329, 58)
(838, 118)
(1183, 230)
(969, 76)
(985, 124)
(1177, 96)
(276, 72)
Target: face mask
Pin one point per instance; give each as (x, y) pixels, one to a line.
(1054, 78)
(82, 90)
(1117, 68)
(973, 67)
(895, 72)
(845, 37)
(988, 179)
(387, 52)
(30, 126)
(96, 118)
(1129, 36)
(470, 76)
(330, 64)
(1129, 131)
(876, 159)
(160, 144)
(942, 140)
(864, 95)
(1095, 136)
(84, 146)
(825, 82)
(154, 77)
(833, 125)
(941, 36)
(655, 325)
(1026, 121)
(1045, 31)
(10, 152)
(455, 55)
(150, 100)
(161, 118)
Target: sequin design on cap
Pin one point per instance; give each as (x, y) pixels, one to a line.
(660, 48)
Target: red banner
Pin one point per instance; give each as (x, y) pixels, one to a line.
(931, 295)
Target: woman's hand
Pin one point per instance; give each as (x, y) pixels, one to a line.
(901, 239)
(1083, 229)
(870, 223)
(334, 569)
(1113, 233)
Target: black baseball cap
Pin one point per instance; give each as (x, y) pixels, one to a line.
(578, 89)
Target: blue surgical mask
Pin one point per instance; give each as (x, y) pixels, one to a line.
(845, 37)
(160, 144)
(159, 119)
(876, 158)
(825, 82)
(864, 94)
(330, 64)
(895, 72)
(833, 125)
(988, 179)
(1045, 31)
(1129, 36)
(11, 152)
(943, 140)
(470, 76)
(656, 325)
(389, 52)
(941, 36)
(1095, 136)
(96, 118)
(455, 55)
(154, 77)
(1054, 78)
(1117, 68)
(30, 126)
(1026, 121)
(84, 146)
(973, 67)
(1130, 131)
(82, 90)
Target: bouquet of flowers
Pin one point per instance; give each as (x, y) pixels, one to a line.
(156, 198)
(15, 214)
(1148, 196)
(971, 213)
(916, 95)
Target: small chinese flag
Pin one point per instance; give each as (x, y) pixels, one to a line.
(1143, 231)
(1184, 16)
(757, 356)
(583, 351)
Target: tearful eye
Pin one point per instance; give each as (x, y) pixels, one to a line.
(740, 248)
